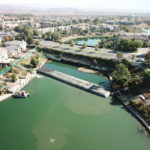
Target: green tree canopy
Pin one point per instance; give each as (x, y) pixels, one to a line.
(97, 21)
(34, 61)
(56, 36)
(127, 45)
(147, 59)
(28, 32)
(121, 76)
(71, 43)
(101, 44)
(19, 28)
(147, 56)
(84, 46)
(25, 34)
(126, 62)
(14, 78)
(146, 78)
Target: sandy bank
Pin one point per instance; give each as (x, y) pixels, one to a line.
(3, 97)
(87, 70)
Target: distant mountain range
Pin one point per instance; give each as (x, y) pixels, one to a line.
(75, 11)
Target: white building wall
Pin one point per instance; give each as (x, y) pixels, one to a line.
(3, 55)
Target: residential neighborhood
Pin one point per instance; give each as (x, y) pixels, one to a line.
(15, 47)
(74, 75)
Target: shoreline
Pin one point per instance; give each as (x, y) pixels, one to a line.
(73, 37)
(76, 82)
(4, 97)
(86, 70)
(65, 39)
(136, 114)
(21, 83)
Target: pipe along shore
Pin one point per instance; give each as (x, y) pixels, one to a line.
(76, 82)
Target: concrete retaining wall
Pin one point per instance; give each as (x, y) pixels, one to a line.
(82, 84)
(135, 114)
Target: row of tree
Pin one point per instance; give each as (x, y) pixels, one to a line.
(55, 36)
(147, 60)
(124, 45)
(126, 77)
(25, 34)
(127, 45)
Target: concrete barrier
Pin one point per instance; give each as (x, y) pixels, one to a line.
(82, 84)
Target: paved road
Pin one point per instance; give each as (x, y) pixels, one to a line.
(89, 51)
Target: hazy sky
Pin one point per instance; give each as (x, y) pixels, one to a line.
(113, 4)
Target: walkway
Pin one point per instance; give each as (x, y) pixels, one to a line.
(17, 62)
(13, 65)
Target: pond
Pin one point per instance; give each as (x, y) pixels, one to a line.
(92, 41)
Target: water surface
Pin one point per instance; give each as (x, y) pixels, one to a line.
(146, 31)
(60, 117)
(72, 70)
(93, 41)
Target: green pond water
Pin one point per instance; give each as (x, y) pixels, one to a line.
(92, 41)
(72, 70)
(60, 117)
(146, 31)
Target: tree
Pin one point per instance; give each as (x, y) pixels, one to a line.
(47, 36)
(147, 63)
(29, 40)
(44, 36)
(34, 61)
(96, 47)
(129, 45)
(71, 43)
(146, 79)
(145, 44)
(36, 33)
(1, 27)
(121, 77)
(135, 44)
(74, 21)
(86, 31)
(19, 28)
(126, 62)
(56, 36)
(25, 34)
(14, 78)
(84, 46)
(101, 44)
(147, 59)
(13, 70)
(97, 21)
(147, 56)
(28, 32)
(37, 42)
(135, 84)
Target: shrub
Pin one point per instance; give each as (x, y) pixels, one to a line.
(14, 78)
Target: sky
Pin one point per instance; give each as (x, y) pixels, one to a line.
(97, 4)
